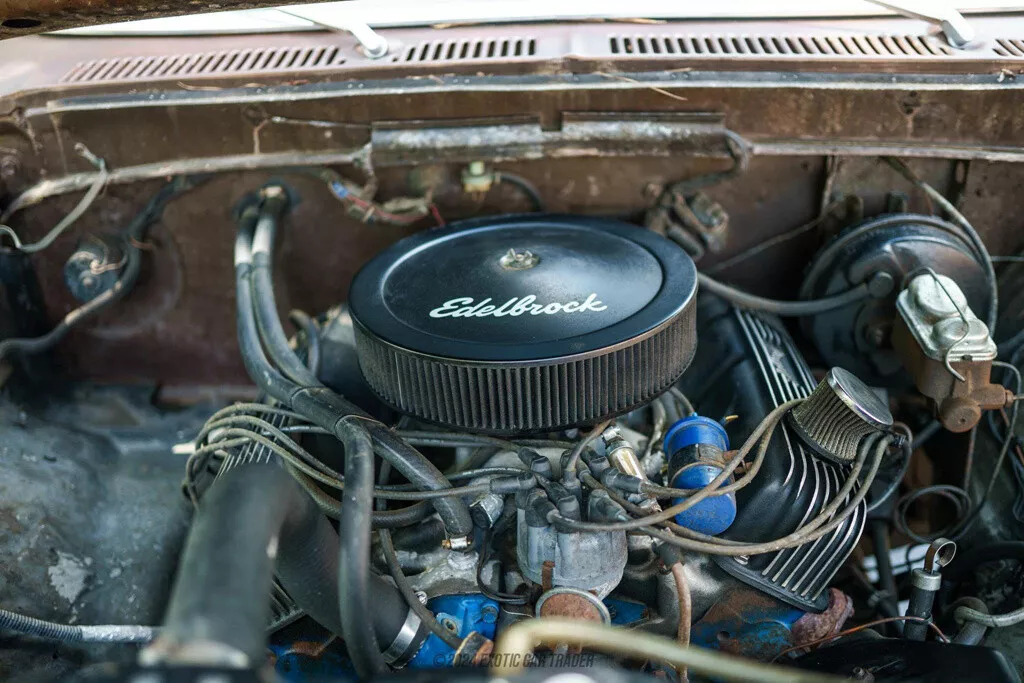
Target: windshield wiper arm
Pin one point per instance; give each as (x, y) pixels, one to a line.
(954, 26)
(374, 44)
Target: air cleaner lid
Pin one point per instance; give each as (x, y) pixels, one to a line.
(525, 323)
(522, 288)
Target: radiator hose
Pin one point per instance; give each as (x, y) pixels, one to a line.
(253, 522)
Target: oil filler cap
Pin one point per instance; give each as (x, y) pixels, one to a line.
(525, 323)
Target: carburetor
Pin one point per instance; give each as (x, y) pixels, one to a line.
(947, 350)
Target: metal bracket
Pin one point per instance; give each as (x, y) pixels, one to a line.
(581, 134)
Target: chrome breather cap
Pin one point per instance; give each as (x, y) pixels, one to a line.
(839, 414)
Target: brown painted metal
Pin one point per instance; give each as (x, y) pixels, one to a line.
(177, 328)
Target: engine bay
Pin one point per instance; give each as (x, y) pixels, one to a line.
(511, 377)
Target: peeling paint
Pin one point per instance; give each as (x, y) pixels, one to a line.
(68, 575)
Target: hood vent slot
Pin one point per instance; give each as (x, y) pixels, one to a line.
(467, 50)
(263, 60)
(1009, 47)
(851, 45)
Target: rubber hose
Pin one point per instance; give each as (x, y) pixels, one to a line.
(524, 185)
(422, 537)
(354, 567)
(265, 302)
(886, 578)
(783, 308)
(325, 408)
(971, 633)
(316, 553)
(221, 591)
(225, 573)
(313, 346)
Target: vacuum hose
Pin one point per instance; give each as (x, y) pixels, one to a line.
(295, 386)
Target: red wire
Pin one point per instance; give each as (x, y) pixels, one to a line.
(372, 210)
(876, 622)
(437, 216)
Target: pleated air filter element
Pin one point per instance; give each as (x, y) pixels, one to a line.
(521, 324)
(839, 414)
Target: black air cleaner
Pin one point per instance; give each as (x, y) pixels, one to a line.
(525, 323)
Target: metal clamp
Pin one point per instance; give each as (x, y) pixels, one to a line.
(406, 636)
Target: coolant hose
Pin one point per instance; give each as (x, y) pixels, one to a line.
(255, 516)
(355, 526)
(316, 402)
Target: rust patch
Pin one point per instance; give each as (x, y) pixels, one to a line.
(474, 651)
(9, 521)
(571, 607)
(812, 627)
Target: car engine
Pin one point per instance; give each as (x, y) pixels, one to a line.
(246, 438)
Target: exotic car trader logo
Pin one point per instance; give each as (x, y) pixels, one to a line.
(463, 307)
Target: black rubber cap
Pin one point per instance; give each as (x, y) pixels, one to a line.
(525, 323)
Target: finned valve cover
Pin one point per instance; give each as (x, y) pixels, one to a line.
(525, 323)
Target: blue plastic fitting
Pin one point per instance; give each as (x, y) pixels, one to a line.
(688, 444)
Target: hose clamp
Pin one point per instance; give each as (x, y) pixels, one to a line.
(405, 638)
